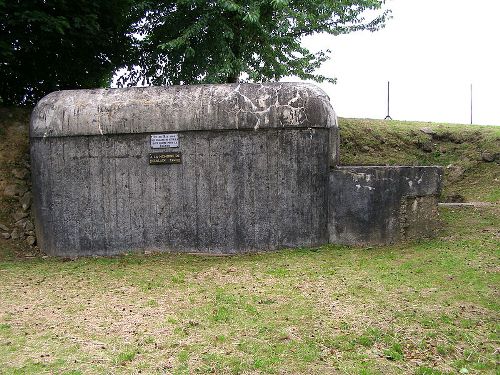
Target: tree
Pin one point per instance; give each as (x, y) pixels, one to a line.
(48, 45)
(215, 41)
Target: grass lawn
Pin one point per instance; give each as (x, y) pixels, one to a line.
(422, 308)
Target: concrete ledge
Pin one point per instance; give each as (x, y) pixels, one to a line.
(181, 108)
(383, 204)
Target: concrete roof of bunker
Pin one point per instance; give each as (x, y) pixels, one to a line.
(182, 108)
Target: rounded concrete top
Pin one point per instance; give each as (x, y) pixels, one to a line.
(181, 108)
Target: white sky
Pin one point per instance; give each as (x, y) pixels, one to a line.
(430, 51)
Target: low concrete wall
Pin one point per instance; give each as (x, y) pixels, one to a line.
(248, 170)
(381, 204)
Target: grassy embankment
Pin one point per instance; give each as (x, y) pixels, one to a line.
(458, 148)
(423, 308)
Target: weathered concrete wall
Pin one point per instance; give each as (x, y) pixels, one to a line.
(382, 205)
(253, 175)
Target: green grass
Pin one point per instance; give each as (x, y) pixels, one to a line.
(424, 308)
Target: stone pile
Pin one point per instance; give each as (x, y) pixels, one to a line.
(23, 228)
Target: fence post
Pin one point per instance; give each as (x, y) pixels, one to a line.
(388, 117)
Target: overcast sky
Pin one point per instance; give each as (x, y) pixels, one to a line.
(430, 51)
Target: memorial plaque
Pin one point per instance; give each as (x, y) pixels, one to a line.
(158, 158)
(164, 140)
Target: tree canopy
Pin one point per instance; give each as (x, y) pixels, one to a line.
(59, 44)
(215, 41)
(48, 45)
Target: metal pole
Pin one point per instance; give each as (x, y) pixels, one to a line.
(388, 117)
(388, 97)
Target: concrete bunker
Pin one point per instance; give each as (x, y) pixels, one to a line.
(209, 169)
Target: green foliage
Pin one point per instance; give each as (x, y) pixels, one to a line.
(126, 356)
(395, 352)
(65, 44)
(59, 44)
(199, 41)
(369, 337)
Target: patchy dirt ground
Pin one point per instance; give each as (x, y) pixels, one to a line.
(422, 308)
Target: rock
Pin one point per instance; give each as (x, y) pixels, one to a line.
(5, 235)
(426, 146)
(30, 233)
(15, 234)
(25, 224)
(488, 157)
(29, 226)
(428, 131)
(15, 190)
(31, 240)
(21, 223)
(19, 215)
(455, 172)
(4, 227)
(28, 195)
(10, 191)
(22, 190)
(20, 173)
(26, 201)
